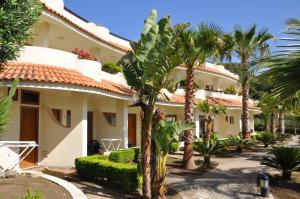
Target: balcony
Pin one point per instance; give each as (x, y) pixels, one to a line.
(59, 58)
(202, 94)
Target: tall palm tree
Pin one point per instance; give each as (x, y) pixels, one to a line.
(196, 46)
(284, 66)
(248, 45)
(147, 69)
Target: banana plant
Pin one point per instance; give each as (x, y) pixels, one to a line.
(147, 69)
(5, 104)
(167, 133)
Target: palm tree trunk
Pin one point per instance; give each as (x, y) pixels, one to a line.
(245, 111)
(281, 122)
(272, 122)
(146, 149)
(209, 124)
(188, 161)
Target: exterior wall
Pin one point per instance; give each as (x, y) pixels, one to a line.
(59, 146)
(226, 129)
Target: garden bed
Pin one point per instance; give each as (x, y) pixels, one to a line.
(12, 188)
(282, 189)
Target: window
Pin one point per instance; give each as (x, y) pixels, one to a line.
(171, 117)
(231, 120)
(57, 114)
(110, 118)
(61, 117)
(30, 97)
(226, 118)
(209, 87)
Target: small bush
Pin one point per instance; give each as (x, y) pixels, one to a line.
(283, 137)
(174, 147)
(239, 143)
(214, 147)
(266, 138)
(33, 194)
(126, 155)
(286, 159)
(99, 167)
(112, 68)
(230, 90)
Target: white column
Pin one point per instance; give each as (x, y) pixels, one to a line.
(79, 122)
(216, 84)
(197, 123)
(122, 121)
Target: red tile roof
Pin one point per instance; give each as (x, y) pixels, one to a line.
(212, 100)
(113, 44)
(53, 74)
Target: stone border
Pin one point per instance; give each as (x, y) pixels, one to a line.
(72, 189)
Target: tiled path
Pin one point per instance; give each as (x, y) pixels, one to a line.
(234, 177)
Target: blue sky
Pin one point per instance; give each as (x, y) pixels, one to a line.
(126, 18)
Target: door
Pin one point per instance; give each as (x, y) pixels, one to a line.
(90, 125)
(202, 124)
(131, 130)
(29, 132)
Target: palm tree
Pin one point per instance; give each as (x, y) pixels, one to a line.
(269, 107)
(284, 70)
(210, 112)
(196, 47)
(248, 45)
(147, 69)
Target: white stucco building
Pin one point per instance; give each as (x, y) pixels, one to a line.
(62, 101)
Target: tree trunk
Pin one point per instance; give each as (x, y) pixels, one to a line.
(146, 149)
(281, 123)
(188, 160)
(272, 122)
(245, 111)
(266, 125)
(207, 159)
(155, 180)
(209, 126)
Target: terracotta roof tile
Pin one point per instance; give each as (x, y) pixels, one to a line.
(53, 74)
(212, 100)
(113, 44)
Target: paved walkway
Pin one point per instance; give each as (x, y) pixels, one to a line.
(235, 177)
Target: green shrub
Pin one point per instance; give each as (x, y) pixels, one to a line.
(286, 159)
(112, 68)
(266, 138)
(99, 167)
(239, 143)
(122, 156)
(214, 147)
(137, 153)
(283, 137)
(174, 147)
(33, 194)
(230, 90)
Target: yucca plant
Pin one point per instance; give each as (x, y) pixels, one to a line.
(214, 147)
(239, 143)
(266, 138)
(285, 159)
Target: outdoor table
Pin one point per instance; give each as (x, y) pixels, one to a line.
(110, 143)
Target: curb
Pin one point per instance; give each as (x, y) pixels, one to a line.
(72, 189)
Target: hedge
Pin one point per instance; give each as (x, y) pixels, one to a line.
(125, 156)
(99, 167)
